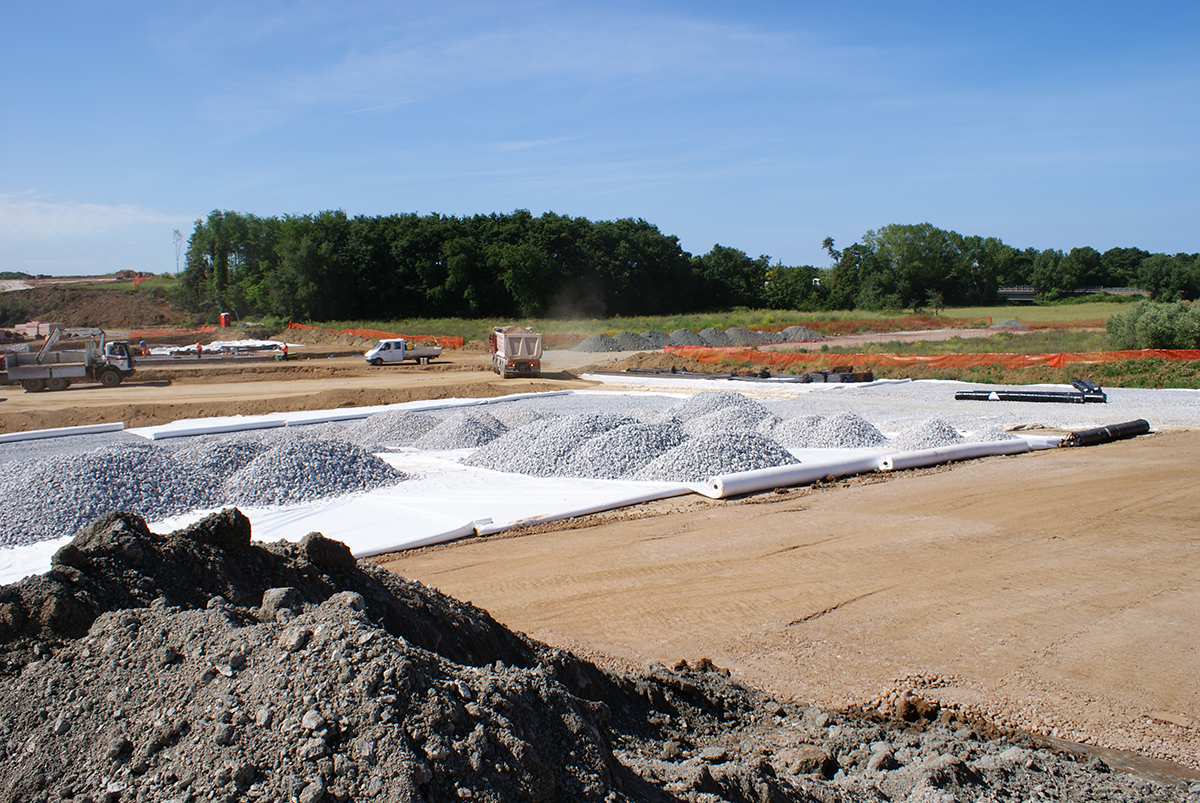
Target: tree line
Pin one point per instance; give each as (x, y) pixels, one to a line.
(330, 266)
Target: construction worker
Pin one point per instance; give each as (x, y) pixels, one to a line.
(199, 350)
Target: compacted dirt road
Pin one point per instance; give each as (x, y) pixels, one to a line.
(1056, 591)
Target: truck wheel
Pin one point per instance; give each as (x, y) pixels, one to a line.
(378, 361)
(503, 372)
(58, 383)
(110, 378)
(33, 385)
(424, 361)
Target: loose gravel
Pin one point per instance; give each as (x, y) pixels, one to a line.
(199, 665)
(734, 419)
(598, 343)
(697, 459)
(464, 430)
(302, 469)
(544, 448)
(622, 451)
(657, 339)
(686, 337)
(931, 433)
(846, 431)
(391, 429)
(799, 333)
(629, 341)
(714, 337)
(797, 433)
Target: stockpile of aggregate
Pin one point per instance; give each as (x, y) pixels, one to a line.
(739, 336)
(623, 450)
(199, 665)
(713, 337)
(845, 431)
(932, 433)
(733, 419)
(990, 435)
(704, 456)
(206, 461)
(515, 415)
(1012, 325)
(798, 333)
(629, 341)
(543, 448)
(301, 468)
(797, 433)
(711, 401)
(685, 337)
(657, 339)
(391, 429)
(57, 495)
(598, 343)
(463, 430)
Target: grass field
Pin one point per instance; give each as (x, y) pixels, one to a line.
(567, 331)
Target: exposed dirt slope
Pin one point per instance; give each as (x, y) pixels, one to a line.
(115, 310)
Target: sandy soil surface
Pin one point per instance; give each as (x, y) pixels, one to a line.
(1056, 591)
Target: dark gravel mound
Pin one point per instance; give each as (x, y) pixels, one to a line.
(629, 341)
(598, 343)
(199, 665)
(657, 339)
(685, 337)
(799, 333)
(716, 338)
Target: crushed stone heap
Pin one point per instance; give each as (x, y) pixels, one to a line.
(199, 666)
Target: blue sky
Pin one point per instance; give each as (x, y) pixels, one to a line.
(764, 126)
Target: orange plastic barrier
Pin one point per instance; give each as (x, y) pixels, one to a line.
(705, 354)
(445, 342)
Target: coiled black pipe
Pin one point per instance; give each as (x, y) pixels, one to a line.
(1113, 432)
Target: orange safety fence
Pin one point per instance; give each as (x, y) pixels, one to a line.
(445, 342)
(705, 354)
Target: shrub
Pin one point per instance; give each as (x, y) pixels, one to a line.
(1148, 325)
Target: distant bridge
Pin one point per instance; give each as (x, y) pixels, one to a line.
(1026, 293)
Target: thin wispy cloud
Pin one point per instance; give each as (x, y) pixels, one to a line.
(30, 216)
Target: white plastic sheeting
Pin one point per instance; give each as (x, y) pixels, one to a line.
(60, 432)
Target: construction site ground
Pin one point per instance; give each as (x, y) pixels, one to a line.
(1058, 591)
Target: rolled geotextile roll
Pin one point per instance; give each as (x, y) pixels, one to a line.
(59, 432)
(948, 454)
(1113, 432)
(764, 479)
(1037, 396)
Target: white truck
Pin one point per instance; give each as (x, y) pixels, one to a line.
(516, 351)
(398, 350)
(100, 360)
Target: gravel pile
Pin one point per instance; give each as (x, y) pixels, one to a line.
(686, 337)
(749, 337)
(734, 419)
(207, 461)
(302, 469)
(697, 459)
(198, 666)
(514, 415)
(544, 448)
(391, 429)
(711, 401)
(657, 339)
(465, 430)
(799, 432)
(622, 451)
(716, 338)
(931, 433)
(55, 497)
(797, 333)
(629, 341)
(1011, 324)
(989, 435)
(845, 431)
(598, 343)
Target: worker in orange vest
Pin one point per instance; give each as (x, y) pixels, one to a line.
(199, 350)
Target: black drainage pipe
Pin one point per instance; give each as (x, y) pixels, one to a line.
(1113, 432)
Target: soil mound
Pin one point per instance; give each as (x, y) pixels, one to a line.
(199, 665)
(113, 310)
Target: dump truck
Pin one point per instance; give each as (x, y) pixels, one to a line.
(99, 360)
(399, 350)
(516, 351)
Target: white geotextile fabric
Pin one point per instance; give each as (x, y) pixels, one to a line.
(445, 500)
